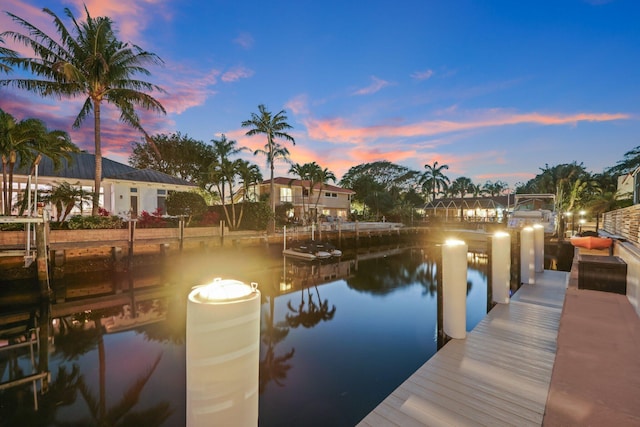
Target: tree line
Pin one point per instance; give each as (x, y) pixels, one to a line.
(88, 60)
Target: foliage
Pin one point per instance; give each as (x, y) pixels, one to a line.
(86, 60)
(189, 204)
(562, 180)
(65, 197)
(208, 219)
(387, 174)
(628, 164)
(154, 220)
(176, 155)
(434, 180)
(257, 215)
(272, 126)
(78, 222)
(22, 143)
(224, 173)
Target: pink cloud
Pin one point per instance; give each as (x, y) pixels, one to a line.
(298, 105)
(131, 18)
(186, 87)
(236, 73)
(338, 130)
(374, 87)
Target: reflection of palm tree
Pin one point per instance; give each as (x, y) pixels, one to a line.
(313, 314)
(62, 392)
(76, 341)
(273, 368)
(120, 414)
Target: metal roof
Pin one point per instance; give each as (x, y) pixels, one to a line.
(82, 167)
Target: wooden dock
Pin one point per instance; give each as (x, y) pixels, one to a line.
(498, 376)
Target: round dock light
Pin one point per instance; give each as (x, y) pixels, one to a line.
(223, 353)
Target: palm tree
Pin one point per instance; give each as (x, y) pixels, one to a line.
(302, 171)
(273, 126)
(249, 175)
(24, 140)
(65, 197)
(433, 179)
(5, 53)
(462, 185)
(320, 176)
(495, 188)
(90, 61)
(223, 171)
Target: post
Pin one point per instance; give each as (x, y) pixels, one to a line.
(501, 267)
(527, 256)
(538, 242)
(223, 354)
(132, 238)
(41, 260)
(454, 288)
(181, 232)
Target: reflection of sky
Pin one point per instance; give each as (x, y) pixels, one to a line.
(353, 361)
(341, 368)
(128, 356)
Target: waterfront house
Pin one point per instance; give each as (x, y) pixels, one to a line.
(629, 186)
(126, 191)
(323, 200)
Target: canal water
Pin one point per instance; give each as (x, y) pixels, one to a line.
(336, 337)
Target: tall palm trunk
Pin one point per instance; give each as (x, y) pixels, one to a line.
(12, 163)
(98, 178)
(4, 185)
(272, 220)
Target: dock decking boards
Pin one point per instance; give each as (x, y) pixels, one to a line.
(498, 376)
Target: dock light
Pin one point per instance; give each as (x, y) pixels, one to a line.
(527, 256)
(501, 267)
(454, 288)
(538, 247)
(223, 354)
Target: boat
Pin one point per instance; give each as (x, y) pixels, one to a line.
(328, 247)
(307, 250)
(591, 242)
(530, 209)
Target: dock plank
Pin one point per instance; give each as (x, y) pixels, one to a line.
(499, 375)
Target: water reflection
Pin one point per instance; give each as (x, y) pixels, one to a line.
(335, 338)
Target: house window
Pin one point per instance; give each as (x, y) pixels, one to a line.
(286, 195)
(162, 201)
(133, 190)
(332, 195)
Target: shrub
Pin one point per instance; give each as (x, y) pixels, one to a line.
(95, 222)
(154, 220)
(185, 204)
(209, 218)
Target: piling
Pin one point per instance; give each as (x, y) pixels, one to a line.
(41, 261)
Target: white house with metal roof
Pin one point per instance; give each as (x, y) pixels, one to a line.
(126, 191)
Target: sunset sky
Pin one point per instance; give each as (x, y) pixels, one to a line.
(495, 89)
